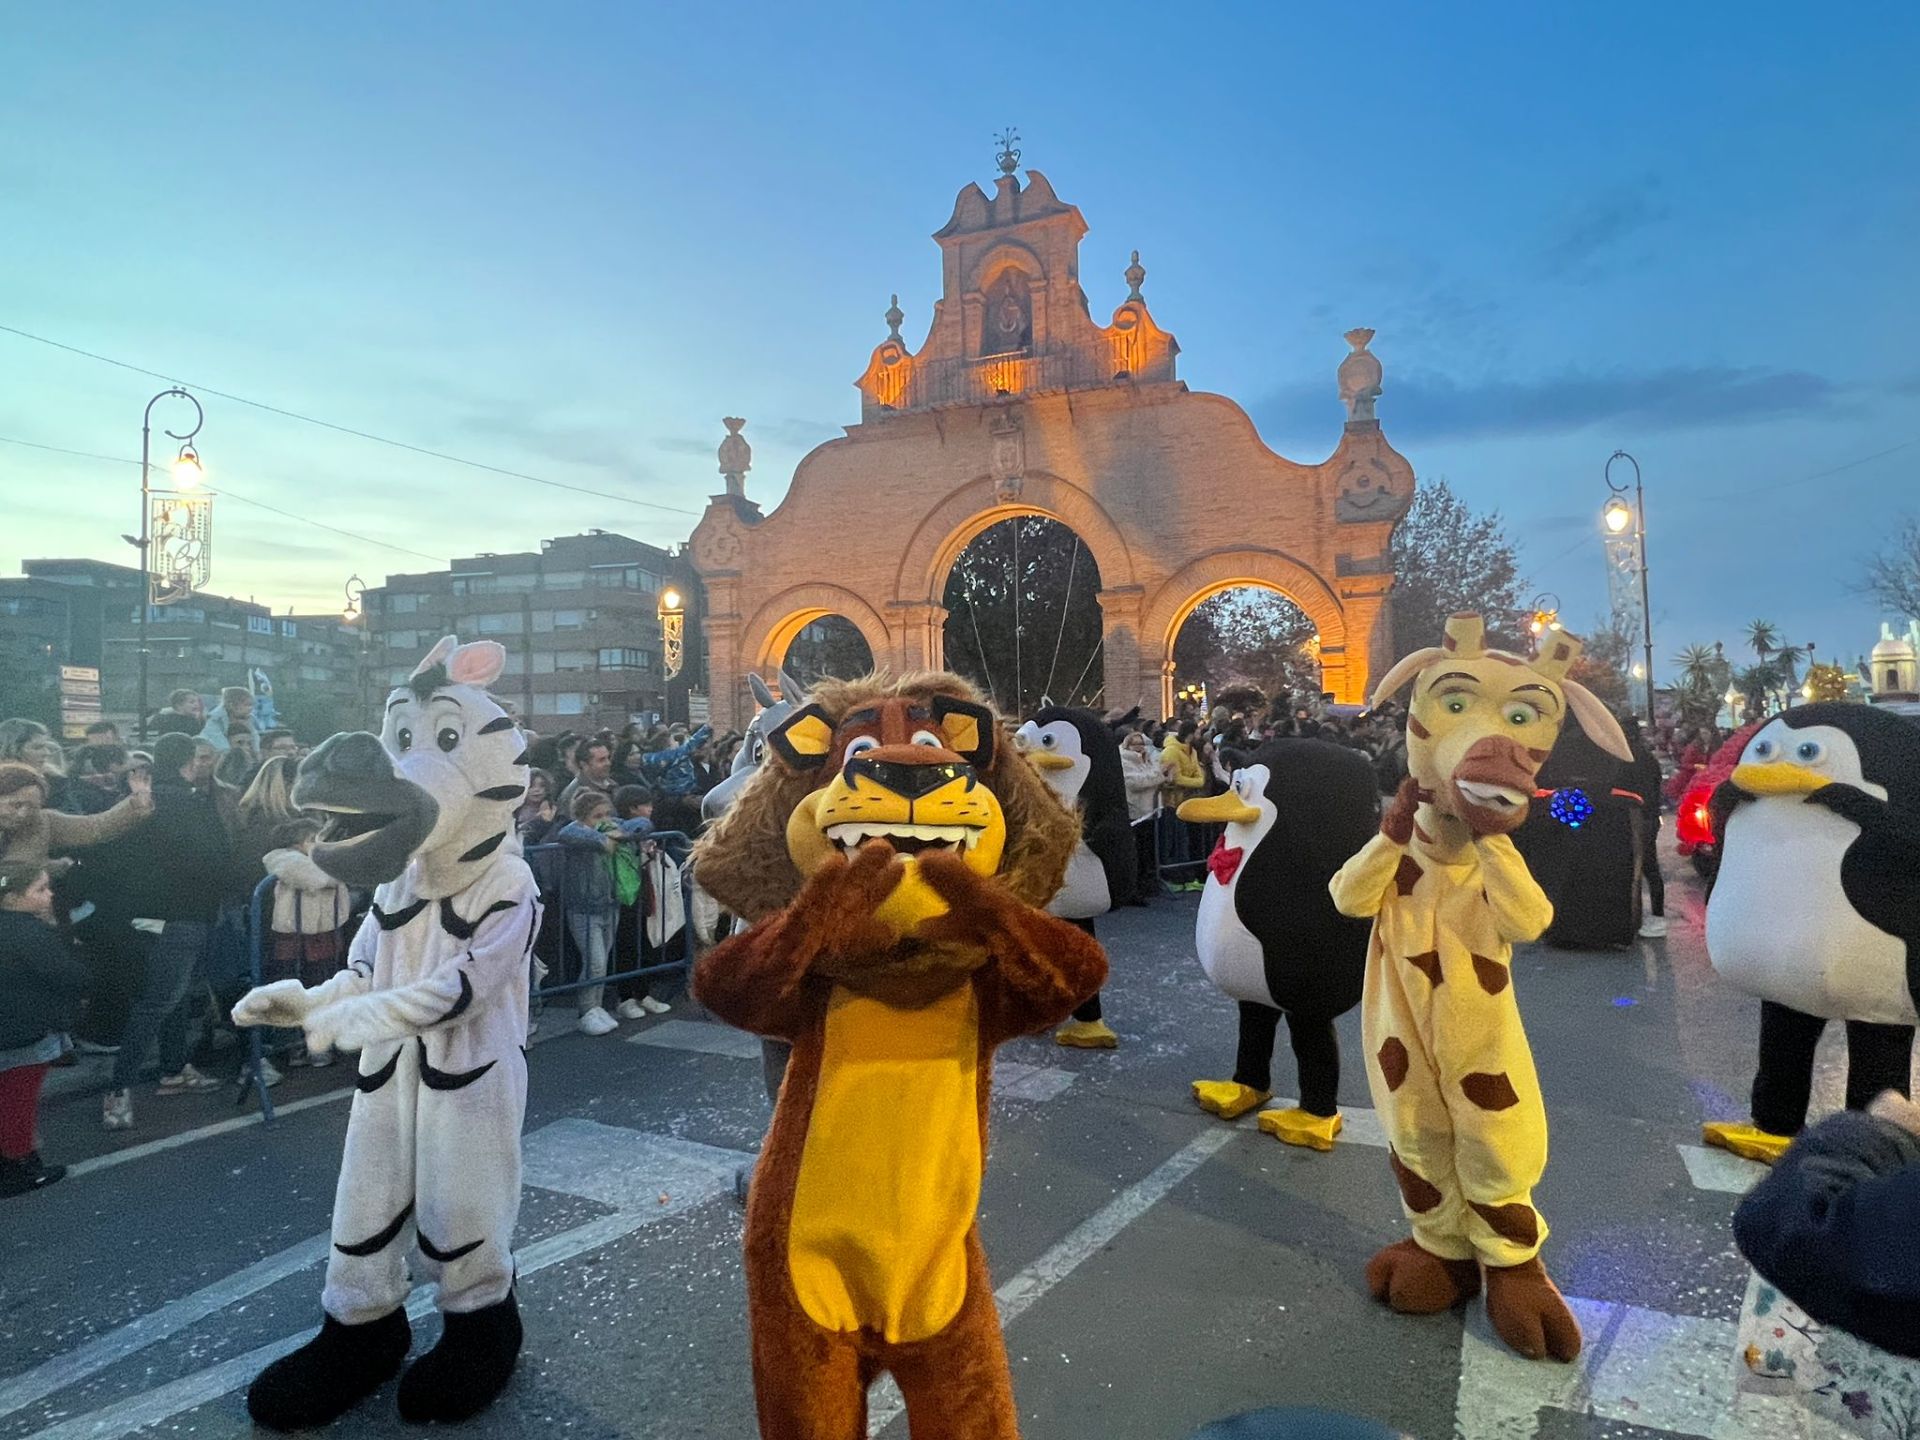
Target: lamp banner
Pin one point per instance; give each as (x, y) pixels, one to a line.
(180, 549)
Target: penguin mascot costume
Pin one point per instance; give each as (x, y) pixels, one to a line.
(1816, 908)
(1268, 934)
(1077, 755)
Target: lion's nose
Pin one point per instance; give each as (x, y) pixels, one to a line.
(909, 782)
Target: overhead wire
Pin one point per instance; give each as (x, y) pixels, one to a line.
(346, 429)
(230, 493)
(1060, 636)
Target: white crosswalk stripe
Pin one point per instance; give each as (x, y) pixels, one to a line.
(1712, 1169)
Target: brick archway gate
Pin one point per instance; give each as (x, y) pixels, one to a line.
(1018, 403)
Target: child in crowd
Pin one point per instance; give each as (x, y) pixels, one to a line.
(633, 813)
(310, 914)
(41, 983)
(587, 893)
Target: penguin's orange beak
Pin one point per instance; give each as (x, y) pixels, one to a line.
(1226, 806)
(1777, 778)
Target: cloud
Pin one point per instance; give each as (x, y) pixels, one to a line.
(788, 434)
(603, 447)
(1579, 245)
(1428, 406)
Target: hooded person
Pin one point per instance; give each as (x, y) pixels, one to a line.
(1078, 756)
(1816, 907)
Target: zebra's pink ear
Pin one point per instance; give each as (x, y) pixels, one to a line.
(438, 655)
(479, 663)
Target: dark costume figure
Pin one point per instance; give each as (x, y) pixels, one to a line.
(1583, 842)
(1268, 934)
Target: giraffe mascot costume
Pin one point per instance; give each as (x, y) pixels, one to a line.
(434, 997)
(1451, 1072)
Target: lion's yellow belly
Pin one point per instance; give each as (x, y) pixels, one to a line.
(890, 1174)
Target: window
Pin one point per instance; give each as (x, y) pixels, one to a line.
(569, 619)
(515, 665)
(315, 672)
(543, 662)
(564, 579)
(403, 639)
(472, 584)
(260, 624)
(624, 659)
(403, 604)
(573, 659)
(496, 624)
(569, 702)
(288, 629)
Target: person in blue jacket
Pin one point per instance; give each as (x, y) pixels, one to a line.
(1833, 1224)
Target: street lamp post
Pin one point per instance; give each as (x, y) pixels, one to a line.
(186, 474)
(1617, 515)
(672, 612)
(355, 613)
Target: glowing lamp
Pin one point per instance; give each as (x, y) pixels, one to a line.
(1617, 515)
(669, 599)
(186, 470)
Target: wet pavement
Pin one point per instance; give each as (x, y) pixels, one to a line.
(1158, 1268)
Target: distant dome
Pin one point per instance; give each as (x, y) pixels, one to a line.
(1893, 647)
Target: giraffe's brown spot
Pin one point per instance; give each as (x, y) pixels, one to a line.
(1421, 835)
(1540, 756)
(1407, 876)
(1447, 642)
(1492, 975)
(1516, 1222)
(1393, 1062)
(1490, 1092)
(1561, 650)
(1427, 962)
(1420, 1194)
(1417, 730)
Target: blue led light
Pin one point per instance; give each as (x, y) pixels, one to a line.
(1571, 807)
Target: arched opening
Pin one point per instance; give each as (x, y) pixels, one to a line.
(1023, 615)
(827, 646)
(1248, 647)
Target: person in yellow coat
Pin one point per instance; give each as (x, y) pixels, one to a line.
(1448, 1061)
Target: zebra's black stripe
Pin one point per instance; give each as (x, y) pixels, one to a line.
(448, 1079)
(446, 1257)
(374, 1244)
(460, 1005)
(451, 922)
(496, 725)
(500, 792)
(367, 1084)
(399, 917)
(485, 848)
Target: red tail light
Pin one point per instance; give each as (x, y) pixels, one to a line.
(1694, 822)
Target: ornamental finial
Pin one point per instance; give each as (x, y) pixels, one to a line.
(893, 317)
(1009, 157)
(1136, 273)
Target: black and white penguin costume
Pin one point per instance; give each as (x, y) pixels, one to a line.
(434, 997)
(1077, 755)
(1816, 906)
(1268, 934)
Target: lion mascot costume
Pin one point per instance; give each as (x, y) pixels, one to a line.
(900, 851)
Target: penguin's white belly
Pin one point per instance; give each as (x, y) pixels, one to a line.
(1229, 953)
(1779, 923)
(1084, 894)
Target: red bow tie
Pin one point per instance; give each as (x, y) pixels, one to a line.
(1225, 860)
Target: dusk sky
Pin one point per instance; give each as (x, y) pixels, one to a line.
(567, 239)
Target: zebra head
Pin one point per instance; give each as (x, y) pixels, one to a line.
(438, 784)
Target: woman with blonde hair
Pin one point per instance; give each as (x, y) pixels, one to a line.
(266, 805)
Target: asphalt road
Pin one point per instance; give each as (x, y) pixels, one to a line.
(1160, 1269)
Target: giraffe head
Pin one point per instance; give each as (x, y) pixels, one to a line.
(1481, 722)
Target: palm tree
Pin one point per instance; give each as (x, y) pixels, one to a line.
(1764, 637)
(1696, 666)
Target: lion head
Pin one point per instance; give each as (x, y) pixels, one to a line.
(919, 762)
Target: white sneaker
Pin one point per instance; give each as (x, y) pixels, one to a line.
(597, 1022)
(630, 1010)
(116, 1110)
(653, 1006)
(269, 1075)
(320, 1059)
(188, 1081)
(1654, 927)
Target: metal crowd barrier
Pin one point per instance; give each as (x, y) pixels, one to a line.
(552, 864)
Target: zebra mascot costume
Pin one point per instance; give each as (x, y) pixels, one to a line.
(434, 997)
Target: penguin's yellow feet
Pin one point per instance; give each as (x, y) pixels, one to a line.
(1749, 1142)
(1301, 1127)
(1228, 1099)
(1086, 1035)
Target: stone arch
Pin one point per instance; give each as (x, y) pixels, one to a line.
(1007, 255)
(1176, 598)
(946, 529)
(775, 624)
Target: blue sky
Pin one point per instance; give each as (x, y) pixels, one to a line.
(568, 239)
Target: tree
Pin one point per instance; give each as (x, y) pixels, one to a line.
(830, 646)
(1447, 560)
(1023, 621)
(27, 696)
(1703, 678)
(1604, 663)
(1893, 576)
(1247, 640)
(313, 715)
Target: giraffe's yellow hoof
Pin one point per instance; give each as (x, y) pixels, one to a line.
(1228, 1099)
(1749, 1142)
(1086, 1035)
(1300, 1127)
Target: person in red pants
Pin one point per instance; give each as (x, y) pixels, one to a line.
(41, 982)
